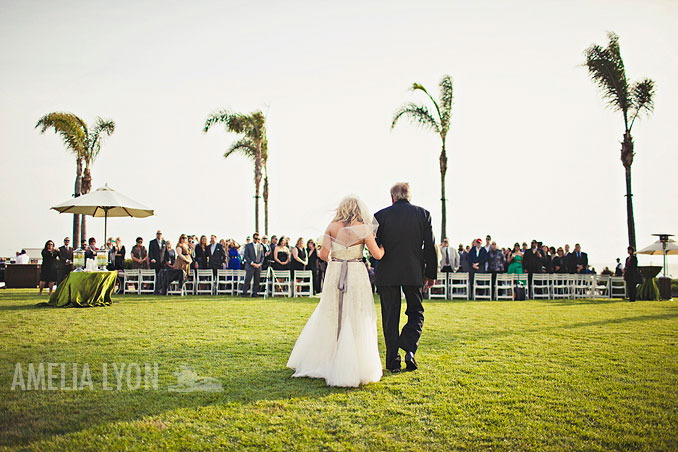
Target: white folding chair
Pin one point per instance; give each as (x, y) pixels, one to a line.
(238, 281)
(204, 282)
(521, 280)
(540, 286)
(439, 287)
(601, 284)
(146, 281)
(175, 289)
(503, 287)
(459, 286)
(560, 285)
(617, 287)
(303, 283)
(263, 284)
(131, 281)
(583, 286)
(282, 283)
(189, 285)
(482, 286)
(224, 283)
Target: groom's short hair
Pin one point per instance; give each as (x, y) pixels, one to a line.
(401, 190)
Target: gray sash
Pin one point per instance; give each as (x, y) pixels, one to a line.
(341, 286)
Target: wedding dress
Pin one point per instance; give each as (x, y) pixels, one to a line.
(339, 341)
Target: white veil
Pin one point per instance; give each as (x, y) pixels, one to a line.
(355, 233)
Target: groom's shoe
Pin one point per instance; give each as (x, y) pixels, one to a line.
(410, 363)
(394, 365)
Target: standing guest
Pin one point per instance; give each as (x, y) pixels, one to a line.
(488, 246)
(184, 258)
(546, 258)
(139, 255)
(606, 272)
(495, 261)
(568, 258)
(524, 248)
(156, 251)
(119, 259)
(234, 262)
(22, 258)
(65, 265)
(632, 275)
(449, 261)
(281, 255)
(248, 240)
(559, 262)
(312, 256)
(200, 260)
(253, 259)
(91, 250)
(464, 266)
(515, 260)
(216, 255)
(618, 270)
(48, 270)
(169, 256)
(299, 260)
(532, 259)
(111, 254)
(579, 261)
(477, 258)
(274, 243)
(267, 252)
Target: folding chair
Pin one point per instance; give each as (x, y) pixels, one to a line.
(540, 286)
(224, 283)
(459, 286)
(503, 287)
(439, 287)
(582, 286)
(282, 283)
(601, 284)
(131, 281)
(303, 283)
(263, 284)
(176, 289)
(560, 285)
(189, 286)
(204, 282)
(147, 281)
(617, 287)
(482, 286)
(238, 281)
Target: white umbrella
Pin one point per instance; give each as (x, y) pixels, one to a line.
(104, 202)
(664, 246)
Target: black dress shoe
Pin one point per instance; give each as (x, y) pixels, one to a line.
(410, 363)
(394, 370)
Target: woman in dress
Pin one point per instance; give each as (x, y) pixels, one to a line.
(339, 341)
(200, 261)
(48, 269)
(558, 263)
(299, 260)
(516, 261)
(234, 262)
(184, 259)
(312, 256)
(119, 259)
(281, 255)
(139, 255)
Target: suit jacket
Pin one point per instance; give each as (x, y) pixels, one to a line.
(575, 260)
(216, 259)
(454, 258)
(631, 272)
(169, 258)
(407, 236)
(250, 256)
(477, 256)
(532, 263)
(156, 251)
(463, 262)
(65, 254)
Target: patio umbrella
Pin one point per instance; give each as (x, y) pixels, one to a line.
(664, 246)
(104, 202)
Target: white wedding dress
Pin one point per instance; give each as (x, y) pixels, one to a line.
(339, 341)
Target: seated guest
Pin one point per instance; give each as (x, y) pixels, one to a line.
(139, 255)
(48, 269)
(119, 260)
(281, 257)
(234, 261)
(200, 260)
(91, 250)
(170, 256)
(606, 272)
(183, 255)
(579, 261)
(65, 264)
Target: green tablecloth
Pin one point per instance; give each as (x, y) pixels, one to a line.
(84, 289)
(648, 290)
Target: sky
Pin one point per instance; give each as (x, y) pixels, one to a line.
(533, 151)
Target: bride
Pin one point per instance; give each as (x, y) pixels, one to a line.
(339, 341)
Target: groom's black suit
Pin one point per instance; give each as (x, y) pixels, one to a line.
(407, 236)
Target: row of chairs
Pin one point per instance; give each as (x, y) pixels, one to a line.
(273, 283)
(452, 286)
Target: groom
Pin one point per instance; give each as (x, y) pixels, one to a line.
(409, 263)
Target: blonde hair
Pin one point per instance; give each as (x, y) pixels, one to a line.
(299, 240)
(401, 190)
(349, 211)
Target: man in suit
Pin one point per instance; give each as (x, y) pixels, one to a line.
(253, 257)
(267, 253)
(409, 264)
(65, 260)
(477, 258)
(579, 261)
(156, 251)
(631, 274)
(449, 261)
(216, 255)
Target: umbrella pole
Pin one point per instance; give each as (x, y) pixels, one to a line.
(105, 225)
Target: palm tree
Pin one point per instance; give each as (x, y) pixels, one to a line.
(440, 123)
(252, 145)
(606, 68)
(86, 146)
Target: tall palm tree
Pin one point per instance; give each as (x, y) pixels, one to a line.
(252, 145)
(86, 146)
(440, 123)
(606, 68)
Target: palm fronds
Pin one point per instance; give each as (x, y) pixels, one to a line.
(102, 128)
(72, 129)
(417, 114)
(606, 68)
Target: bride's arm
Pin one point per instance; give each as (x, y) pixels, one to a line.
(376, 251)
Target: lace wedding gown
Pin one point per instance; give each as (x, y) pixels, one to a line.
(339, 341)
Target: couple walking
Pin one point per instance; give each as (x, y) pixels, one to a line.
(339, 342)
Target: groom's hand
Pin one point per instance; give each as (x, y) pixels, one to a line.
(428, 283)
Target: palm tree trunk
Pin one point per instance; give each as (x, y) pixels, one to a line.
(265, 201)
(86, 188)
(627, 161)
(443, 172)
(76, 193)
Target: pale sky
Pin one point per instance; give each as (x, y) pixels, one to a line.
(533, 151)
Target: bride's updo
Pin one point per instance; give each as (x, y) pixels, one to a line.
(349, 211)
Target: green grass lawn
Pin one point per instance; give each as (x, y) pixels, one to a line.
(533, 375)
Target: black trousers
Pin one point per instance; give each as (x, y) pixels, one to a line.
(249, 274)
(632, 289)
(408, 338)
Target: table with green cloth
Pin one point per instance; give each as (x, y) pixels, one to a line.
(84, 289)
(648, 289)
